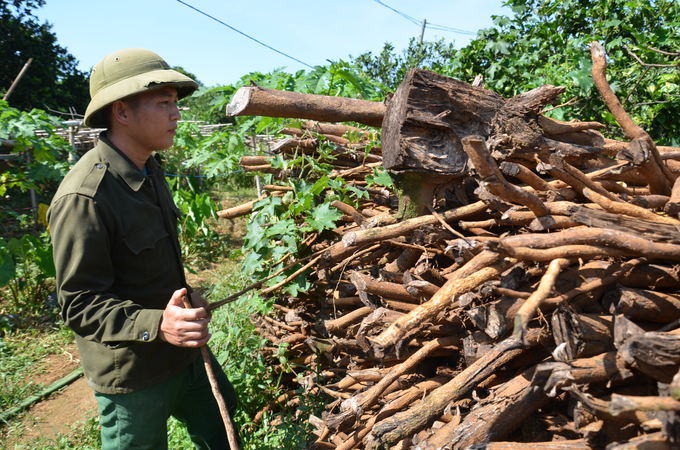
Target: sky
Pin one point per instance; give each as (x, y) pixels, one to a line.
(309, 31)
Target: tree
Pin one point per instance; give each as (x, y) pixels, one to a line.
(389, 68)
(53, 80)
(547, 42)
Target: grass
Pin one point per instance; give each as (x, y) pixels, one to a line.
(22, 352)
(81, 435)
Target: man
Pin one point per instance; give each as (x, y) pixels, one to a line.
(120, 278)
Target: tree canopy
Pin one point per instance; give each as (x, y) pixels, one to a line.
(547, 42)
(53, 80)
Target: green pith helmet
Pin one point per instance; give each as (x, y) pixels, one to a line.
(129, 72)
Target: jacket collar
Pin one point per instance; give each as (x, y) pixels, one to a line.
(122, 165)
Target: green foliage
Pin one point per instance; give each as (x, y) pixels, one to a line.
(279, 225)
(53, 79)
(379, 177)
(390, 68)
(178, 437)
(27, 272)
(33, 161)
(249, 363)
(21, 353)
(195, 236)
(547, 42)
(217, 156)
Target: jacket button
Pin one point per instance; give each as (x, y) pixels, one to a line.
(145, 336)
(99, 166)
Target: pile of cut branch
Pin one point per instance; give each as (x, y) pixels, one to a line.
(536, 306)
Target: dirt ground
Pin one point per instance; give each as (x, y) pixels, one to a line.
(60, 410)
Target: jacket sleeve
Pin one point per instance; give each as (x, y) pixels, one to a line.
(82, 245)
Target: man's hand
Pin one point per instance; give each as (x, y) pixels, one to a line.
(185, 327)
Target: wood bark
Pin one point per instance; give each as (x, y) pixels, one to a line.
(647, 157)
(240, 210)
(352, 241)
(487, 169)
(576, 444)
(440, 301)
(427, 118)
(491, 421)
(590, 236)
(258, 101)
(407, 423)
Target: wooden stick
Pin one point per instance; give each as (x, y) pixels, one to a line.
(618, 272)
(240, 210)
(352, 240)
(226, 418)
(333, 129)
(440, 301)
(672, 207)
(565, 251)
(385, 289)
(409, 422)
(409, 395)
(476, 149)
(595, 236)
(291, 277)
(652, 167)
(577, 444)
(254, 160)
(354, 257)
(533, 303)
(564, 171)
(256, 285)
(363, 401)
(622, 403)
(527, 176)
(347, 320)
(627, 209)
(556, 127)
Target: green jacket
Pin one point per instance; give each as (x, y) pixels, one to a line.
(118, 262)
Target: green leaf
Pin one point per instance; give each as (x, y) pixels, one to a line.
(498, 47)
(45, 261)
(7, 270)
(324, 217)
(252, 262)
(300, 284)
(380, 177)
(280, 228)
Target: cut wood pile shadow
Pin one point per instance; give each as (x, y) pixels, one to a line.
(531, 303)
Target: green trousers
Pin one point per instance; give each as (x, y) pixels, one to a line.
(139, 420)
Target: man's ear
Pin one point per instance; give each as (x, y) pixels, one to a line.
(120, 112)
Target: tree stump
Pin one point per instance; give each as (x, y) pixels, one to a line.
(429, 115)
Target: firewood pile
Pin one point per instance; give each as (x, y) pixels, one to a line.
(528, 300)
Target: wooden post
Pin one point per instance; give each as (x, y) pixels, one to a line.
(257, 101)
(17, 79)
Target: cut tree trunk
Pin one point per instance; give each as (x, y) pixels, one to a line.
(257, 101)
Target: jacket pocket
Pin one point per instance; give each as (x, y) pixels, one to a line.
(149, 256)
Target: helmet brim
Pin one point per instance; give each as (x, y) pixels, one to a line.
(138, 84)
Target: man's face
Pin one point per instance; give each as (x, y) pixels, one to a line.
(154, 116)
